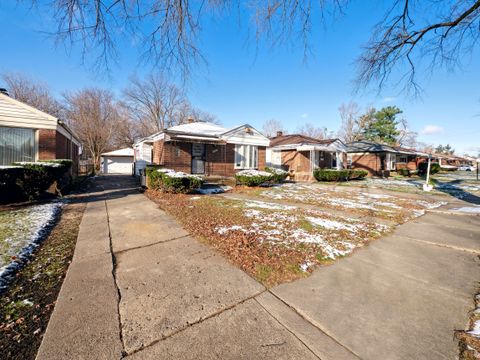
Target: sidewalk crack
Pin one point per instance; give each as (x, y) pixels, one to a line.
(313, 324)
(286, 328)
(114, 274)
(210, 316)
(149, 245)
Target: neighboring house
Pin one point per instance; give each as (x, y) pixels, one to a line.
(205, 149)
(117, 162)
(28, 134)
(142, 154)
(380, 159)
(300, 155)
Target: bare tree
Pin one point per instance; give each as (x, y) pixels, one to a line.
(272, 127)
(93, 116)
(407, 137)
(127, 130)
(167, 32)
(349, 130)
(315, 132)
(33, 93)
(411, 31)
(155, 103)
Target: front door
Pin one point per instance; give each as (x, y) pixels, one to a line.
(198, 158)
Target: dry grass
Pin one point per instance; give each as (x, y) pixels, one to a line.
(247, 241)
(26, 306)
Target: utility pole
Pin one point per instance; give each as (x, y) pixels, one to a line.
(427, 186)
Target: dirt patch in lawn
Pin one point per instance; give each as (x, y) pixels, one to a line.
(27, 304)
(273, 243)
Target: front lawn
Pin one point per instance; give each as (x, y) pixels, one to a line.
(383, 206)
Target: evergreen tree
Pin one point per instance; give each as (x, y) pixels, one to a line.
(381, 125)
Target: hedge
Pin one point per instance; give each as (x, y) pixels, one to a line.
(172, 181)
(279, 175)
(404, 172)
(422, 168)
(339, 175)
(253, 177)
(29, 180)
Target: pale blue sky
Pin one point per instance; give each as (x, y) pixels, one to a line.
(241, 85)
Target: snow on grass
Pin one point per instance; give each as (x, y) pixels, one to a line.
(20, 233)
(382, 205)
(289, 225)
(475, 209)
(268, 205)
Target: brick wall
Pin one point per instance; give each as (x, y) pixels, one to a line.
(47, 144)
(369, 162)
(157, 152)
(177, 156)
(262, 157)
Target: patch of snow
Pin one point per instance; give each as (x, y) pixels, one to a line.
(10, 167)
(195, 198)
(27, 302)
(475, 330)
(331, 224)
(41, 163)
(277, 171)
(377, 196)
(26, 228)
(225, 229)
(305, 266)
(475, 209)
(252, 173)
(268, 205)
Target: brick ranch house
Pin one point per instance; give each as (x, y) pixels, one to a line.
(300, 155)
(203, 148)
(28, 134)
(380, 159)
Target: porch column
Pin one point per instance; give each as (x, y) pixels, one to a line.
(338, 156)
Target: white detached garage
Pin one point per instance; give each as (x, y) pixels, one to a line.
(118, 162)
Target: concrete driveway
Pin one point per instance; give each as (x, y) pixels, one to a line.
(140, 287)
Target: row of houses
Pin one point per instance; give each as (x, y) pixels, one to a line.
(208, 149)
(28, 134)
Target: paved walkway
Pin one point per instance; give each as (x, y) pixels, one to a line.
(140, 287)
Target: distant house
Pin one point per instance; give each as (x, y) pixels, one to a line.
(28, 134)
(300, 155)
(204, 148)
(117, 162)
(380, 159)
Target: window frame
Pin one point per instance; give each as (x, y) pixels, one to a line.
(8, 149)
(245, 156)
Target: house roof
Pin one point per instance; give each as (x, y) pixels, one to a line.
(298, 139)
(119, 152)
(198, 128)
(14, 113)
(369, 146)
(206, 132)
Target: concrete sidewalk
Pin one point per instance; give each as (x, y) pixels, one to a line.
(140, 287)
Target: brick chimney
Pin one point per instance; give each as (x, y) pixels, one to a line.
(279, 133)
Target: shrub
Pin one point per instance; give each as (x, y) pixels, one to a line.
(404, 172)
(10, 183)
(172, 181)
(28, 180)
(279, 175)
(357, 174)
(338, 175)
(422, 168)
(253, 177)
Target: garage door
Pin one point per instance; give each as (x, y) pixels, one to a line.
(117, 164)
